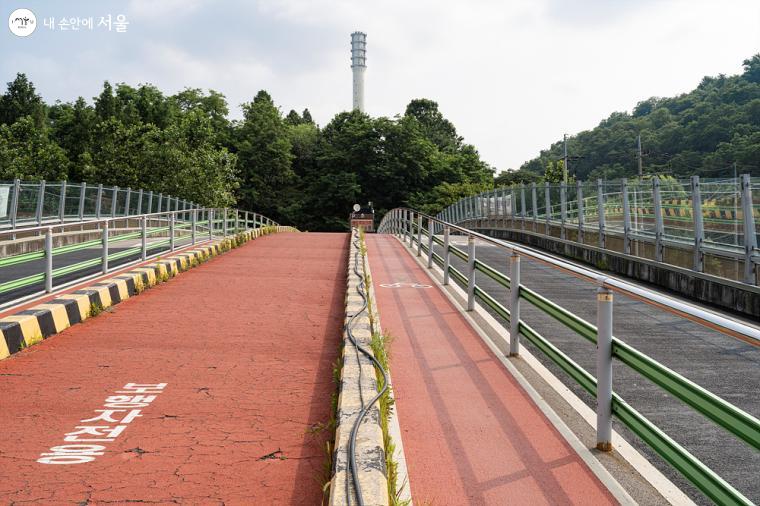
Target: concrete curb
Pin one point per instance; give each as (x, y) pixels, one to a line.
(31, 326)
(358, 386)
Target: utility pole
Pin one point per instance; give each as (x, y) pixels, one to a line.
(564, 166)
(638, 141)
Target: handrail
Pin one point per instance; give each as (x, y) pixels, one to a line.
(44, 202)
(699, 315)
(736, 421)
(723, 214)
(182, 224)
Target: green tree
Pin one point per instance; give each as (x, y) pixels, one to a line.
(105, 103)
(72, 127)
(27, 152)
(435, 127)
(263, 150)
(19, 100)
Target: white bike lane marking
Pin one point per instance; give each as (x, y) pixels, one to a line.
(402, 285)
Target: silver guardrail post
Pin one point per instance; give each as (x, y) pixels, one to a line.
(658, 225)
(534, 203)
(62, 203)
(114, 201)
(523, 207)
(14, 202)
(699, 228)
(172, 218)
(49, 260)
(446, 254)
(104, 253)
(210, 224)
(579, 208)
(144, 237)
(626, 218)
(563, 208)
(82, 196)
(194, 224)
(224, 225)
(127, 201)
(604, 369)
(600, 210)
(470, 272)
(513, 206)
(431, 224)
(514, 304)
(419, 234)
(548, 199)
(237, 221)
(40, 202)
(408, 227)
(150, 202)
(160, 202)
(139, 202)
(99, 202)
(750, 239)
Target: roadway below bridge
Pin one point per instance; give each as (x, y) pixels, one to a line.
(212, 388)
(94, 253)
(728, 367)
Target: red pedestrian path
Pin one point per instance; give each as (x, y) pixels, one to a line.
(471, 434)
(245, 345)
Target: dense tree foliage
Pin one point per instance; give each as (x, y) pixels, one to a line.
(703, 132)
(297, 172)
(286, 167)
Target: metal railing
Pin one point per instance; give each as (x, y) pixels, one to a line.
(82, 249)
(408, 224)
(706, 220)
(34, 203)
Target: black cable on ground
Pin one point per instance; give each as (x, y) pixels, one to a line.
(365, 409)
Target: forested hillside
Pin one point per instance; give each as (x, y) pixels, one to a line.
(703, 132)
(284, 166)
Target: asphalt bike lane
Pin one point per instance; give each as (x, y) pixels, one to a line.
(212, 388)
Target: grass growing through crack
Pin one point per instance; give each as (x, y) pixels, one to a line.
(325, 476)
(95, 309)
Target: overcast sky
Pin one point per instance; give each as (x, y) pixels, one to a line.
(513, 76)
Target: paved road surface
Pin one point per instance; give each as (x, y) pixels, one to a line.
(471, 434)
(245, 346)
(728, 367)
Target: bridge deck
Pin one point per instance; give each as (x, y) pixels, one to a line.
(471, 434)
(245, 345)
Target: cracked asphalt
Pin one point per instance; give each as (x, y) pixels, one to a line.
(245, 344)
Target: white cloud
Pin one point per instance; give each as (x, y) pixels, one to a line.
(512, 76)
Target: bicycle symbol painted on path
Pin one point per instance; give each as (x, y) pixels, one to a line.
(402, 285)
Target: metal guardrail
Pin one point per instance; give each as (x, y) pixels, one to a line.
(719, 217)
(141, 236)
(409, 225)
(34, 203)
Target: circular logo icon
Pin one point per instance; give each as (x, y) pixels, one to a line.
(22, 22)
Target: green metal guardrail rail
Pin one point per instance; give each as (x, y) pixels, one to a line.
(409, 225)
